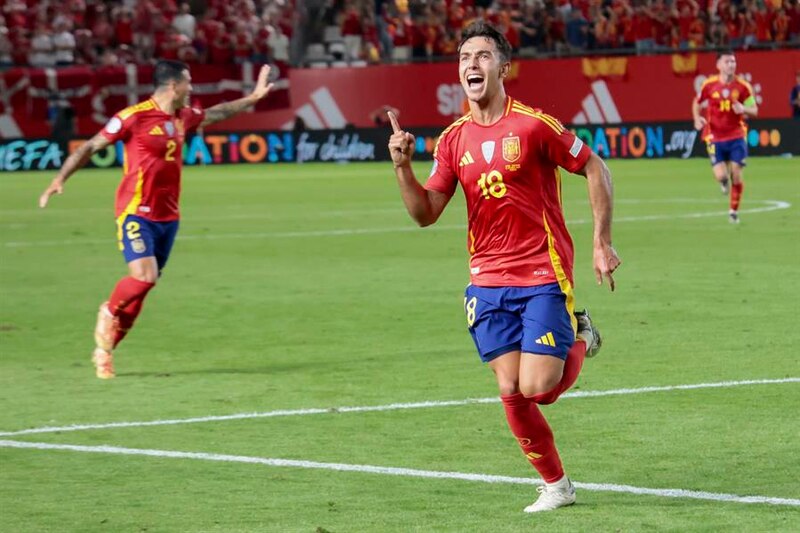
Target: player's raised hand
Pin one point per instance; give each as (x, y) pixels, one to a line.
(606, 262)
(56, 187)
(401, 143)
(737, 107)
(263, 87)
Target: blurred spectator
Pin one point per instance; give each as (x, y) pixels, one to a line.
(242, 43)
(185, 22)
(352, 31)
(64, 43)
(42, 51)
(794, 96)
(102, 30)
(221, 49)
(123, 27)
(5, 48)
(279, 45)
(577, 29)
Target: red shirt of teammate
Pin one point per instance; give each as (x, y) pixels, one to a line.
(153, 140)
(509, 172)
(723, 124)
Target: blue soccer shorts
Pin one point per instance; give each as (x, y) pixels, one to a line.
(537, 320)
(139, 237)
(734, 150)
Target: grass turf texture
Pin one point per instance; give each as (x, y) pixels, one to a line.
(307, 286)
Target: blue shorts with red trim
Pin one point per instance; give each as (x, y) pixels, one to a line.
(734, 150)
(139, 237)
(531, 319)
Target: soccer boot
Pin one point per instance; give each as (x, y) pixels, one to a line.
(551, 498)
(103, 363)
(588, 333)
(733, 217)
(106, 328)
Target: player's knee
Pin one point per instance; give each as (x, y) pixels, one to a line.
(507, 387)
(538, 385)
(145, 276)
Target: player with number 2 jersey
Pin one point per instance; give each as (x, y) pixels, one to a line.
(152, 135)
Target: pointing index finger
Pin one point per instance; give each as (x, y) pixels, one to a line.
(393, 120)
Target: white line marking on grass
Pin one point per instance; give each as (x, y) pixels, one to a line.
(390, 471)
(389, 407)
(772, 205)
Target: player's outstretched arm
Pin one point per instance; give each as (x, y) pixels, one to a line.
(228, 109)
(423, 205)
(601, 197)
(75, 161)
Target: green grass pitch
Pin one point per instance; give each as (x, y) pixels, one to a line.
(308, 287)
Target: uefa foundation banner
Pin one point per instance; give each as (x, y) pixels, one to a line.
(627, 141)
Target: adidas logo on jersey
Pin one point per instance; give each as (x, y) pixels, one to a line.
(466, 159)
(547, 339)
(156, 130)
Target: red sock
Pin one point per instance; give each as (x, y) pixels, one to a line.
(736, 195)
(572, 367)
(126, 319)
(127, 291)
(534, 436)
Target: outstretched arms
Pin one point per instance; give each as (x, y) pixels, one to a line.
(601, 196)
(425, 206)
(75, 161)
(228, 109)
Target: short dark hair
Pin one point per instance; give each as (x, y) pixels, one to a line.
(725, 53)
(481, 28)
(168, 70)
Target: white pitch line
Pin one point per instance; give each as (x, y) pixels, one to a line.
(772, 205)
(391, 471)
(389, 407)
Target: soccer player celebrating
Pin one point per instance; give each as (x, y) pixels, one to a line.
(147, 213)
(729, 99)
(520, 303)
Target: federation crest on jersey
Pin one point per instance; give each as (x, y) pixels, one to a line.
(487, 148)
(511, 149)
(170, 127)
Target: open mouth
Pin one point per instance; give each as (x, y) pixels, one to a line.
(474, 81)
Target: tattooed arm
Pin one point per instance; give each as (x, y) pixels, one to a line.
(75, 161)
(228, 109)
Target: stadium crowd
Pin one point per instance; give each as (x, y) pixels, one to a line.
(44, 33)
(53, 33)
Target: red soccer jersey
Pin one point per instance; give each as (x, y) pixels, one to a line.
(153, 142)
(723, 123)
(509, 173)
